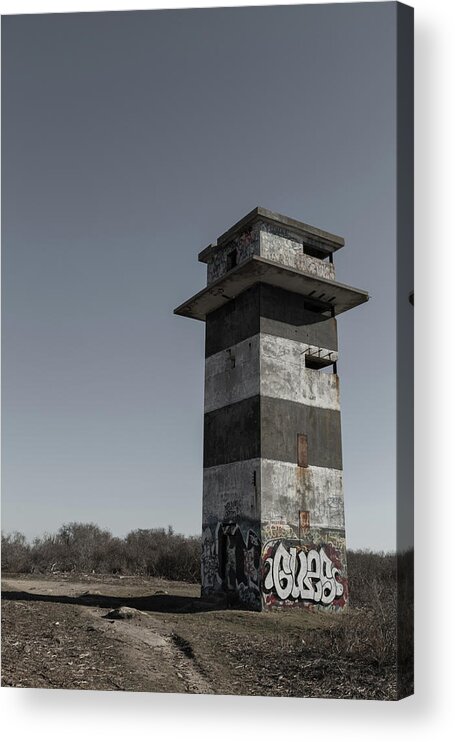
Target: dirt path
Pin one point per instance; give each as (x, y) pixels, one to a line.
(57, 633)
(153, 650)
(137, 653)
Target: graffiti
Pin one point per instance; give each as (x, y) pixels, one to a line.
(231, 509)
(209, 563)
(293, 574)
(230, 563)
(239, 560)
(277, 527)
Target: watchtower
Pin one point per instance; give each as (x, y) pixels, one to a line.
(273, 528)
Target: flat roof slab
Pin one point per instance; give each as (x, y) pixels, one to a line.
(256, 269)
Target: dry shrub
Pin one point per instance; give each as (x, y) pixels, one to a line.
(367, 630)
(367, 634)
(84, 547)
(372, 576)
(16, 553)
(369, 627)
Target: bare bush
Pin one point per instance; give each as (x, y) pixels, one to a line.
(371, 577)
(377, 627)
(84, 547)
(16, 553)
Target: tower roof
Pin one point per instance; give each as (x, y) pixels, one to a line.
(312, 236)
(304, 277)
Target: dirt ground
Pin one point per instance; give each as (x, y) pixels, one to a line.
(56, 633)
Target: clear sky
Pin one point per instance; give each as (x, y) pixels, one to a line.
(130, 141)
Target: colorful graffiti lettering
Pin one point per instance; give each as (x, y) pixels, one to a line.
(292, 574)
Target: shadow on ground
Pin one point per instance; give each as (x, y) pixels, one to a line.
(158, 603)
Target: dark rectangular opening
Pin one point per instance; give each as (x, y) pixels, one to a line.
(231, 260)
(318, 364)
(315, 253)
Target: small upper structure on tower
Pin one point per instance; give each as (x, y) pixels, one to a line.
(265, 247)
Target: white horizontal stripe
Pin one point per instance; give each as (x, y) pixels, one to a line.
(281, 490)
(272, 366)
(287, 488)
(284, 375)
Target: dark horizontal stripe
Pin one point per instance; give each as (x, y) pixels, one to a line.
(272, 310)
(283, 313)
(232, 433)
(233, 322)
(267, 427)
(282, 420)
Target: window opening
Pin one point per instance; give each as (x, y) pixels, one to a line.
(231, 260)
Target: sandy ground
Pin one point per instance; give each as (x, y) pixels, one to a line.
(56, 633)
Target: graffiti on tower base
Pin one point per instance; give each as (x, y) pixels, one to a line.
(231, 554)
(297, 574)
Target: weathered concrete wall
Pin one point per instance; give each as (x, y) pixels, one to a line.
(285, 376)
(231, 538)
(302, 564)
(232, 374)
(232, 492)
(232, 433)
(281, 422)
(268, 427)
(237, 320)
(272, 242)
(271, 366)
(270, 310)
(282, 247)
(245, 244)
(287, 488)
(285, 314)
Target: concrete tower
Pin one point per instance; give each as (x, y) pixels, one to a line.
(273, 511)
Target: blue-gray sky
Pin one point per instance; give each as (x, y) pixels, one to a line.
(130, 141)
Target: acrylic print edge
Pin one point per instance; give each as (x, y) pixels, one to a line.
(405, 349)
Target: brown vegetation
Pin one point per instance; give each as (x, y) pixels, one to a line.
(84, 547)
